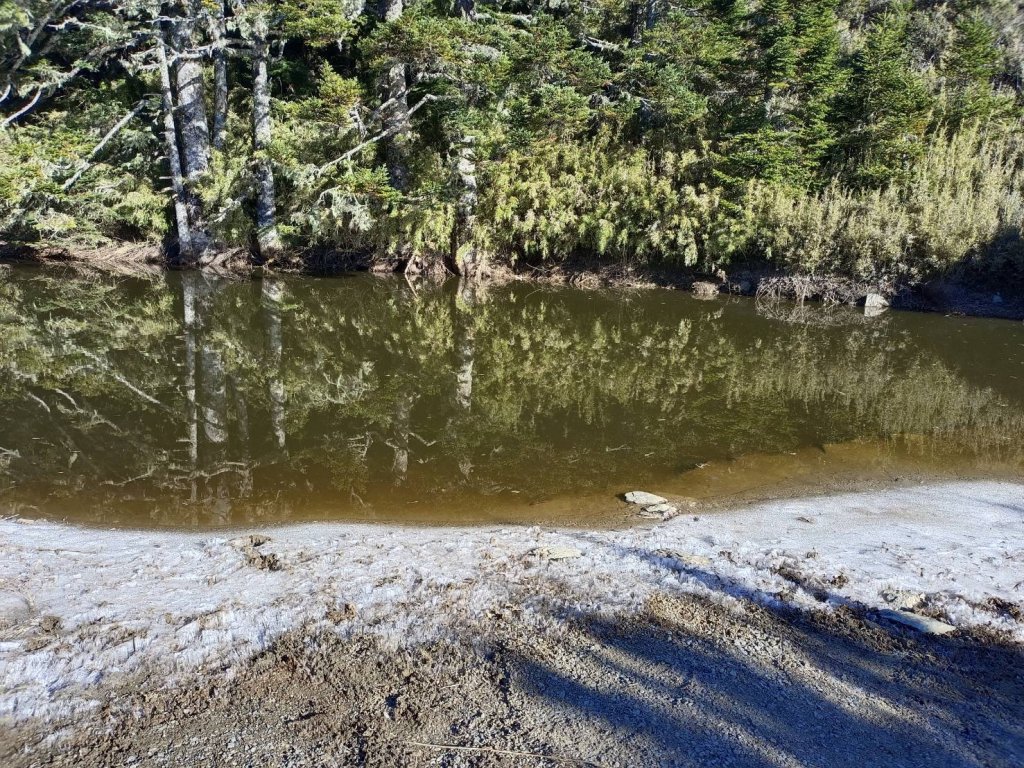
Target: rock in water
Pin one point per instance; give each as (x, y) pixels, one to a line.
(660, 511)
(644, 499)
(875, 301)
(875, 304)
(704, 290)
(916, 621)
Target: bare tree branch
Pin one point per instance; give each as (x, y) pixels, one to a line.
(24, 110)
(377, 137)
(84, 165)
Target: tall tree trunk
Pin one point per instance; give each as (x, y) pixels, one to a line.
(186, 248)
(262, 130)
(637, 22)
(272, 298)
(464, 252)
(195, 128)
(220, 79)
(394, 92)
(642, 16)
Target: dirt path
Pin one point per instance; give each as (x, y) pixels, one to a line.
(687, 682)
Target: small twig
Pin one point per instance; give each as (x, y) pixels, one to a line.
(40, 401)
(508, 752)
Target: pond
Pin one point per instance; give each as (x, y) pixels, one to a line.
(188, 400)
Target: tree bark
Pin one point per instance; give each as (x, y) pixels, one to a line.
(191, 109)
(637, 22)
(262, 130)
(195, 129)
(464, 252)
(220, 80)
(186, 249)
(394, 92)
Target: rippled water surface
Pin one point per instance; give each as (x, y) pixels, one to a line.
(189, 400)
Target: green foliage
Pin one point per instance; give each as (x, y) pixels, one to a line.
(888, 106)
(552, 199)
(318, 23)
(971, 66)
(678, 141)
(963, 198)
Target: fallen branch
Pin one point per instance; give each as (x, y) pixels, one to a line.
(600, 46)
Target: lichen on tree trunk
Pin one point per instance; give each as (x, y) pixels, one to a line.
(262, 129)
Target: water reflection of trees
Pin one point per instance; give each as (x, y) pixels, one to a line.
(192, 398)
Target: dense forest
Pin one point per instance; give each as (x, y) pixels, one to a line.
(865, 138)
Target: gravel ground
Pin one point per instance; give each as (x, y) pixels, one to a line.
(686, 682)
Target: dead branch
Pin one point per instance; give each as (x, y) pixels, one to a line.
(86, 164)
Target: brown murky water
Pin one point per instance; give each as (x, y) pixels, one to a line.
(188, 400)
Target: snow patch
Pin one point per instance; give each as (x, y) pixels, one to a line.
(83, 605)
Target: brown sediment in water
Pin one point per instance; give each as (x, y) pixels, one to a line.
(189, 401)
(855, 466)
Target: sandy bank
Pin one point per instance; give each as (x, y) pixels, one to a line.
(83, 608)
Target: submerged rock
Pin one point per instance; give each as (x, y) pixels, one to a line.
(702, 289)
(924, 624)
(660, 511)
(644, 499)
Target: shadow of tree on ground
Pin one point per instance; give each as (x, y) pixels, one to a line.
(738, 678)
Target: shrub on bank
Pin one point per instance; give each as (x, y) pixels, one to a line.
(964, 201)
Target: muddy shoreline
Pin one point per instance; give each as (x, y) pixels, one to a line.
(758, 636)
(969, 294)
